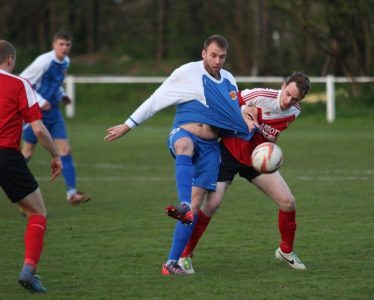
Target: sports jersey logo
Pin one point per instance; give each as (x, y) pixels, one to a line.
(233, 95)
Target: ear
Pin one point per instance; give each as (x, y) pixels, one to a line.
(8, 60)
(284, 85)
(203, 53)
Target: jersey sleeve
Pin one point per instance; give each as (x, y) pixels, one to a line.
(246, 96)
(34, 72)
(29, 107)
(179, 87)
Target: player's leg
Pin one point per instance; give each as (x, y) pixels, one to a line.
(59, 134)
(34, 208)
(181, 145)
(21, 187)
(184, 170)
(204, 216)
(68, 170)
(277, 189)
(181, 236)
(228, 168)
(205, 178)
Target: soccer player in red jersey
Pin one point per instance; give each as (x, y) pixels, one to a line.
(275, 110)
(18, 104)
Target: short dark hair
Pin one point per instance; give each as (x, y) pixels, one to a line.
(218, 39)
(62, 35)
(301, 80)
(6, 50)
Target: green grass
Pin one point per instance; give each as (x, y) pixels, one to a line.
(114, 246)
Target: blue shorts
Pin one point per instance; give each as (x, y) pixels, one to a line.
(206, 159)
(53, 121)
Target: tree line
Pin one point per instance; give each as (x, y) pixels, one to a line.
(267, 37)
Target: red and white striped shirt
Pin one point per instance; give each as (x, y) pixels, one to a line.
(271, 118)
(18, 104)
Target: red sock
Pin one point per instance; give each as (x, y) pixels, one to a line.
(200, 226)
(287, 229)
(34, 236)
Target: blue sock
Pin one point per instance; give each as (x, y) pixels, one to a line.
(184, 173)
(68, 171)
(182, 234)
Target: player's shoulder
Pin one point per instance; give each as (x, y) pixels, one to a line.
(16, 81)
(12, 77)
(41, 63)
(256, 93)
(228, 76)
(295, 109)
(190, 70)
(195, 66)
(45, 57)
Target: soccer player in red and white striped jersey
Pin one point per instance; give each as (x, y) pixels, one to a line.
(18, 104)
(275, 110)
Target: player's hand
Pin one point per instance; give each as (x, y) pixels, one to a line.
(56, 167)
(46, 106)
(115, 132)
(250, 115)
(66, 100)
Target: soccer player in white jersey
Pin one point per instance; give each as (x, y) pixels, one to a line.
(207, 103)
(47, 73)
(18, 104)
(276, 110)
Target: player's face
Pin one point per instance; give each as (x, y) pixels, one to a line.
(214, 58)
(290, 95)
(62, 48)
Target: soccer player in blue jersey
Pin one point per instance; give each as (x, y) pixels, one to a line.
(207, 105)
(47, 73)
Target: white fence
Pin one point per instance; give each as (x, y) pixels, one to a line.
(71, 81)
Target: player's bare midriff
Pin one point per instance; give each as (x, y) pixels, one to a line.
(203, 131)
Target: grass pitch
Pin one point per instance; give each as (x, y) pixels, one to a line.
(113, 247)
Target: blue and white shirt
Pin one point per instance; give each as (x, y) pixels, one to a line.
(46, 74)
(200, 98)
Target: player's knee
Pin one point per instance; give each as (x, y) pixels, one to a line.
(65, 150)
(210, 208)
(288, 203)
(213, 210)
(184, 146)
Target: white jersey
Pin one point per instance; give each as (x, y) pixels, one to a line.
(199, 98)
(46, 74)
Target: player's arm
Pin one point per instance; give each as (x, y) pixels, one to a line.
(249, 111)
(46, 141)
(116, 132)
(33, 73)
(171, 92)
(145, 111)
(30, 112)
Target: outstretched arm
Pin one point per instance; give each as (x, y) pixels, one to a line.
(116, 132)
